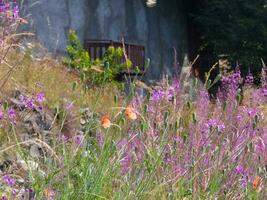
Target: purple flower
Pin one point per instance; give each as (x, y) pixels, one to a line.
(1, 115)
(99, 138)
(125, 164)
(4, 197)
(264, 91)
(2, 7)
(40, 97)
(213, 123)
(16, 12)
(11, 114)
(239, 169)
(249, 79)
(9, 181)
(79, 139)
(29, 104)
(14, 193)
(243, 183)
(157, 95)
(252, 112)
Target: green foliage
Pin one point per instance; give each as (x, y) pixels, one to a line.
(237, 29)
(78, 57)
(97, 72)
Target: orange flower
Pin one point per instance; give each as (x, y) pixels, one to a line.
(130, 113)
(256, 184)
(105, 122)
(48, 192)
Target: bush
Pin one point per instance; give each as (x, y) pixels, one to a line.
(95, 72)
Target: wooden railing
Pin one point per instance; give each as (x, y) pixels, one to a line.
(98, 48)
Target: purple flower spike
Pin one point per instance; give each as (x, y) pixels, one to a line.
(11, 114)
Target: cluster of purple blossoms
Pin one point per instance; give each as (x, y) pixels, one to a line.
(165, 94)
(214, 123)
(9, 9)
(30, 102)
(232, 81)
(239, 169)
(79, 140)
(249, 79)
(40, 97)
(264, 90)
(11, 114)
(157, 95)
(9, 181)
(252, 112)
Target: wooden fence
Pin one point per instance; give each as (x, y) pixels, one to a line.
(98, 48)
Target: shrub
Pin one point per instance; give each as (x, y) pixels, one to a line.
(96, 72)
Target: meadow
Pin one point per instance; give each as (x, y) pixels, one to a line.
(62, 141)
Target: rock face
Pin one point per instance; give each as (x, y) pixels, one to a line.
(160, 28)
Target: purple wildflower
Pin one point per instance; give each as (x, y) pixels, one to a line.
(157, 95)
(40, 97)
(29, 104)
(11, 114)
(264, 91)
(4, 197)
(252, 112)
(2, 7)
(9, 181)
(125, 164)
(99, 138)
(243, 183)
(249, 80)
(239, 169)
(1, 115)
(14, 193)
(16, 12)
(213, 123)
(79, 139)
